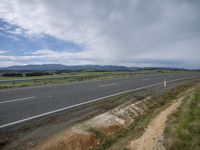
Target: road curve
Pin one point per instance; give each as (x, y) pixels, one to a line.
(22, 104)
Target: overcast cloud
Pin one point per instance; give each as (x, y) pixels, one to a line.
(117, 32)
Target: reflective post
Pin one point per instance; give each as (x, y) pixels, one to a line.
(165, 83)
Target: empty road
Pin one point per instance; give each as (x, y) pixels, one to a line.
(22, 104)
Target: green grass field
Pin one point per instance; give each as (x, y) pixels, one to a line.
(57, 75)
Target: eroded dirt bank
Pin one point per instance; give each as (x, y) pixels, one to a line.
(87, 134)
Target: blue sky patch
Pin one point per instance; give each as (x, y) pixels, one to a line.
(14, 39)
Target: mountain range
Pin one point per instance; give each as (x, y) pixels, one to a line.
(60, 67)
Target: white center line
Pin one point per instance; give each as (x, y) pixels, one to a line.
(108, 85)
(15, 100)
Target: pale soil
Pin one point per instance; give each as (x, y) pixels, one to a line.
(119, 117)
(152, 138)
(76, 139)
(80, 138)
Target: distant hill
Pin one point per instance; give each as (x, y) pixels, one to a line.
(59, 67)
(77, 68)
(37, 67)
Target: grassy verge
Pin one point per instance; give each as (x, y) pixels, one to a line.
(120, 140)
(183, 130)
(106, 75)
(60, 75)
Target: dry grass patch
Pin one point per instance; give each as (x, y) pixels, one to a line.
(183, 130)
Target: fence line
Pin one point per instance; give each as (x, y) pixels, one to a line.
(34, 80)
(51, 79)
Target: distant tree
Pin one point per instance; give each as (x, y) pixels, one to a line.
(38, 73)
(12, 74)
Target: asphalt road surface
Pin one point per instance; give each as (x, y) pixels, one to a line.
(22, 104)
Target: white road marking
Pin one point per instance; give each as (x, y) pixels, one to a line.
(16, 100)
(98, 99)
(108, 85)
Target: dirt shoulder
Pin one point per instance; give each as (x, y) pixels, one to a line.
(152, 139)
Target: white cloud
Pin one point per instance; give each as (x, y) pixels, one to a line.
(131, 32)
(50, 56)
(9, 63)
(4, 51)
(16, 31)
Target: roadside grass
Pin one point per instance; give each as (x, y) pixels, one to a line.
(183, 129)
(60, 75)
(108, 75)
(10, 85)
(120, 140)
(77, 74)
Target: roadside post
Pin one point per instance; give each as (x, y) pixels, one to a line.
(165, 83)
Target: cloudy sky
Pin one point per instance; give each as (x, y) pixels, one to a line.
(163, 33)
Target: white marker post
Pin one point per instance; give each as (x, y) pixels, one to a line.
(165, 83)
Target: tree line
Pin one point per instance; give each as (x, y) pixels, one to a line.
(28, 74)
